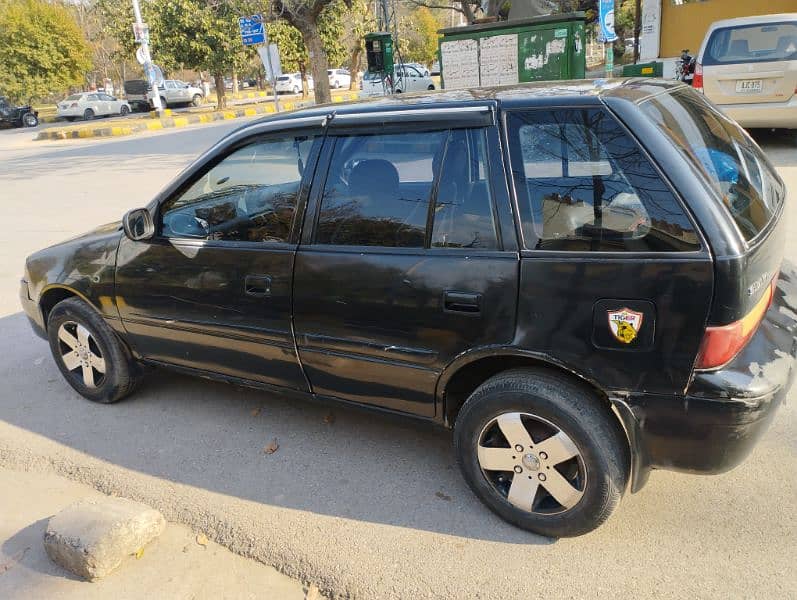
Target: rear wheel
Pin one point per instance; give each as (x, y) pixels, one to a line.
(88, 353)
(542, 452)
(431, 87)
(88, 114)
(295, 90)
(125, 110)
(196, 100)
(163, 102)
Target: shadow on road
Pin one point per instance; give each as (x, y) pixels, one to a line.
(336, 461)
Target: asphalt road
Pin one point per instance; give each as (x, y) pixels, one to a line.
(366, 505)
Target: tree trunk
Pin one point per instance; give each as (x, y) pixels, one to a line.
(354, 66)
(637, 28)
(221, 101)
(318, 62)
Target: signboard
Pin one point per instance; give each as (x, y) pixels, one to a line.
(459, 60)
(498, 60)
(141, 33)
(606, 16)
(253, 30)
(271, 60)
(142, 55)
(154, 74)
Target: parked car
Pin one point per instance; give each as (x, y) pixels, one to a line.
(408, 79)
(748, 67)
(435, 70)
(17, 116)
(584, 282)
(291, 83)
(87, 105)
(338, 78)
(422, 69)
(173, 92)
(136, 94)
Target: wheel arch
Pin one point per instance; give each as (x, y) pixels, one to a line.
(55, 293)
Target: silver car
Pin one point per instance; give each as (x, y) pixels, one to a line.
(748, 67)
(88, 105)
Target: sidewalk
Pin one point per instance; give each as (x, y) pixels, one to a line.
(173, 566)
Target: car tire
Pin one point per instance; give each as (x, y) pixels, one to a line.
(29, 119)
(88, 114)
(567, 491)
(196, 100)
(431, 87)
(295, 90)
(335, 85)
(124, 110)
(102, 369)
(163, 102)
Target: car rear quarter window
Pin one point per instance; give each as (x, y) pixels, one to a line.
(730, 162)
(583, 184)
(767, 42)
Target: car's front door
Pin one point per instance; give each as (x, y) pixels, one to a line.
(212, 290)
(405, 268)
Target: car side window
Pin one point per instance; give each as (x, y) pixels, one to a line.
(583, 184)
(378, 189)
(93, 98)
(249, 196)
(463, 214)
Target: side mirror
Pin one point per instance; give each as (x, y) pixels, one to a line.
(138, 224)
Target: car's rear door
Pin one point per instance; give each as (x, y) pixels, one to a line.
(752, 63)
(408, 256)
(212, 290)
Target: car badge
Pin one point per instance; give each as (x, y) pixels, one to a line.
(625, 324)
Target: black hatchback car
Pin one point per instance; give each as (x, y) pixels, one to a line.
(583, 280)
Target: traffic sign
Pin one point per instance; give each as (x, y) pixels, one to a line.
(142, 55)
(606, 16)
(253, 30)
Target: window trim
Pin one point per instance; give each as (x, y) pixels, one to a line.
(527, 252)
(215, 158)
(311, 221)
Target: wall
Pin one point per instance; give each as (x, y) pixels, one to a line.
(685, 26)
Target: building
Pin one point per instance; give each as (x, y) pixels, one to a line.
(669, 26)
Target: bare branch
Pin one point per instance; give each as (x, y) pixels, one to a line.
(436, 6)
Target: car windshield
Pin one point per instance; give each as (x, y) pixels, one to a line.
(368, 76)
(752, 43)
(730, 161)
(74, 97)
(283, 78)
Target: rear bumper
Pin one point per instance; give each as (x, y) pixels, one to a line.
(714, 426)
(764, 114)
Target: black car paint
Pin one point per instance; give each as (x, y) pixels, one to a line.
(324, 337)
(13, 115)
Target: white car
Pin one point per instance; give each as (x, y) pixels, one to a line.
(338, 78)
(291, 83)
(173, 91)
(408, 79)
(748, 68)
(423, 69)
(88, 105)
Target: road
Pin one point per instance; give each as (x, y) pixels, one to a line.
(366, 506)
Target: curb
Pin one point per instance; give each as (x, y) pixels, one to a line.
(149, 124)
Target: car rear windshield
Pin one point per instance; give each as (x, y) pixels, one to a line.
(731, 162)
(74, 97)
(765, 42)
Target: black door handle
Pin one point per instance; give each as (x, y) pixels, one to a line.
(462, 302)
(258, 286)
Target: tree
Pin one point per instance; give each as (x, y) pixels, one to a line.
(471, 9)
(42, 50)
(360, 20)
(305, 16)
(420, 42)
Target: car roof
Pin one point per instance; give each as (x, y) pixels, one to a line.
(756, 20)
(578, 92)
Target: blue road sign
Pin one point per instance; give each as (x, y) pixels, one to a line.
(253, 30)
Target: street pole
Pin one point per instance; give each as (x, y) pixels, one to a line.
(156, 99)
(273, 77)
(609, 49)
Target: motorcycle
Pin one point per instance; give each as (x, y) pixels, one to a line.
(685, 67)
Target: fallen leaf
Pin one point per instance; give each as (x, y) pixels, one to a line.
(255, 412)
(272, 447)
(329, 419)
(202, 539)
(140, 552)
(443, 496)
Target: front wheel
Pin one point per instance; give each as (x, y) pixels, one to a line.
(196, 100)
(124, 110)
(30, 120)
(89, 355)
(542, 452)
(88, 114)
(295, 90)
(431, 87)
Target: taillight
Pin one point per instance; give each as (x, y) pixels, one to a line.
(721, 344)
(697, 80)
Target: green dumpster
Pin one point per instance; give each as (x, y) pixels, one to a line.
(536, 49)
(651, 69)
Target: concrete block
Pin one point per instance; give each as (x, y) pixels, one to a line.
(93, 536)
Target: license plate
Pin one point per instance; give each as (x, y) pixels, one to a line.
(749, 86)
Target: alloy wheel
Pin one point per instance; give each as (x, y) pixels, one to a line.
(532, 463)
(81, 354)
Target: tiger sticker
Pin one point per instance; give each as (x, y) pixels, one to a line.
(625, 324)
